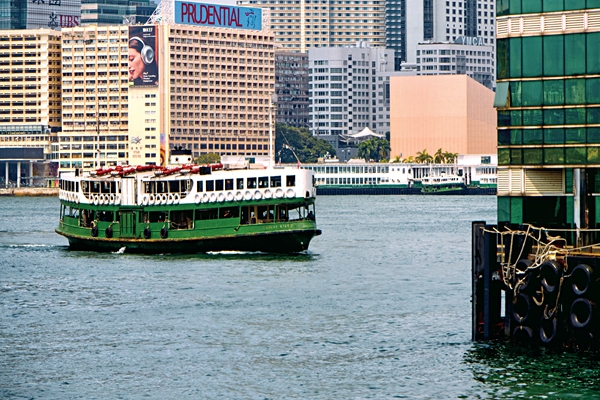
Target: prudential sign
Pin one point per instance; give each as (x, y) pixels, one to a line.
(218, 15)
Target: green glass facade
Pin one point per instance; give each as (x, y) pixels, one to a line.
(550, 118)
(512, 7)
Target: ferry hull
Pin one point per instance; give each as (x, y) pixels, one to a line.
(268, 242)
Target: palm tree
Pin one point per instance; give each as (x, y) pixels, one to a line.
(449, 157)
(438, 157)
(423, 157)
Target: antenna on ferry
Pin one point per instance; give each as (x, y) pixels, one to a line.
(272, 108)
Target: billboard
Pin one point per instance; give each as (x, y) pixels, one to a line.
(143, 63)
(217, 15)
(53, 14)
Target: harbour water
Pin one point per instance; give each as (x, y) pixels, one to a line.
(378, 308)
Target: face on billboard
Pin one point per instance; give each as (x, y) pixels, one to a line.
(143, 67)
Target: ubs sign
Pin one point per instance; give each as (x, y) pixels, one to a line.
(218, 15)
(53, 14)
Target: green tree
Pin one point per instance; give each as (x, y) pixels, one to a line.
(423, 157)
(292, 142)
(438, 157)
(374, 149)
(449, 157)
(210, 158)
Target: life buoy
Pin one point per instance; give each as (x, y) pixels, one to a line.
(164, 232)
(581, 313)
(257, 195)
(147, 233)
(163, 198)
(197, 198)
(100, 199)
(170, 198)
(221, 197)
(205, 198)
(108, 232)
(290, 193)
(268, 194)
(581, 279)
(213, 197)
(145, 200)
(111, 198)
(94, 231)
(279, 193)
(248, 195)
(230, 196)
(95, 199)
(176, 198)
(239, 196)
(117, 199)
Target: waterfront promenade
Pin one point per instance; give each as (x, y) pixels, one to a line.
(29, 191)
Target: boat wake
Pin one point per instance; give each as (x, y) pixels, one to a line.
(120, 251)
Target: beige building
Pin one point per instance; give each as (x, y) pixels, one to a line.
(95, 121)
(300, 25)
(212, 94)
(218, 89)
(30, 107)
(451, 112)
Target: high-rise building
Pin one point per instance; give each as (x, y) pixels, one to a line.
(30, 98)
(304, 24)
(473, 59)
(548, 100)
(411, 22)
(349, 89)
(116, 12)
(291, 88)
(39, 14)
(203, 88)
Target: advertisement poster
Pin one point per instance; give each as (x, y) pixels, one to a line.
(163, 150)
(143, 63)
(219, 15)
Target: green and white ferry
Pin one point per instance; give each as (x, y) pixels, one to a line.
(188, 209)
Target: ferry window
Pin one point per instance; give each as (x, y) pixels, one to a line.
(228, 184)
(84, 186)
(210, 213)
(229, 212)
(182, 219)
(149, 187)
(265, 213)
(290, 181)
(200, 186)
(275, 181)
(161, 187)
(263, 182)
(106, 216)
(210, 186)
(251, 183)
(281, 213)
(156, 216)
(219, 184)
(95, 187)
(105, 187)
(87, 216)
(240, 183)
(174, 186)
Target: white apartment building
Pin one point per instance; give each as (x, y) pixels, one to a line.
(349, 89)
(304, 24)
(446, 21)
(476, 61)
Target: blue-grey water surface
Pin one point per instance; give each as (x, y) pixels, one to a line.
(378, 308)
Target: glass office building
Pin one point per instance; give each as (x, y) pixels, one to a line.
(548, 101)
